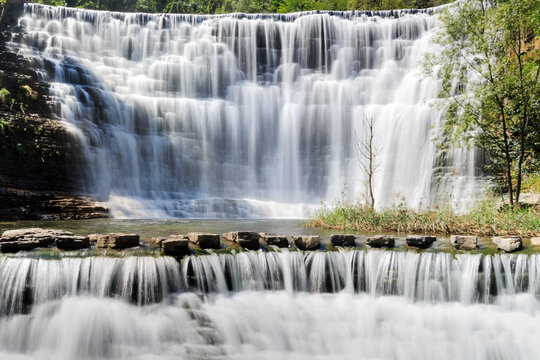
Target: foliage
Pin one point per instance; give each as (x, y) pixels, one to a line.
(5, 97)
(489, 67)
(486, 219)
(247, 6)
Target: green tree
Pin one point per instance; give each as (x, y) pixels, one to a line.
(489, 69)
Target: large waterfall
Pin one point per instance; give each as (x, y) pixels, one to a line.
(267, 305)
(246, 115)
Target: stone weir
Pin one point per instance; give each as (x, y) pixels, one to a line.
(37, 156)
(143, 277)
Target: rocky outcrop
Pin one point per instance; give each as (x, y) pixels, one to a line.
(279, 241)
(508, 243)
(343, 240)
(420, 241)
(535, 241)
(246, 239)
(381, 241)
(205, 240)
(117, 241)
(39, 177)
(307, 242)
(464, 242)
(175, 245)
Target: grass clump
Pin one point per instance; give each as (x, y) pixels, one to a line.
(487, 218)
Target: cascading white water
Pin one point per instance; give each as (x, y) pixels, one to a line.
(411, 306)
(246, 115)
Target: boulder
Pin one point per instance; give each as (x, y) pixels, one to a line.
(65, 242)
(380, 241)
(175, 245)
(508, 243)
(535, 241)
(246, 239)
(343, 240)
(275, 240)
(117, 241)
(307, 242)
(464, 242)
(205, 240)
(45, 237)
(420, 241)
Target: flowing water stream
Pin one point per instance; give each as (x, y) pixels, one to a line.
(262, 305)
(247, 115)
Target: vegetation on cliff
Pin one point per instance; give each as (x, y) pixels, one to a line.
(247, 6)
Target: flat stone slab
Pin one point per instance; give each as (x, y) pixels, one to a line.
(420, 241)
(508, 243)
(117, 241)
(45, 237)
(175, 245)
(205, 240)
(464, 242)
(246, 239)
(307, 242)
(343, 240)
(280, 241)
(72, 242)
(535, 241)
(381, 241)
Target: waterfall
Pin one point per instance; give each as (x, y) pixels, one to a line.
(143, 280)
(246, 115)
(263, 305)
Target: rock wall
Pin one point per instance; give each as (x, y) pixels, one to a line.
(36, 178)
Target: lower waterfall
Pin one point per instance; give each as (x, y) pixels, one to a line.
(260, 325)
(267, 305)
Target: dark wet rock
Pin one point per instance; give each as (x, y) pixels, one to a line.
(307, 242)
(205, 240)
(464, 242)
(508, 243)
(246, 239)
(117, 241)
(280, 241)
(381, 241)
(39, 162)
(175, 245)
(16, 246)
(72, 242)
(420, 241)
(343, 240)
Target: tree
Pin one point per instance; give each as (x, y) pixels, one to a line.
(367, 152)
(489, 68)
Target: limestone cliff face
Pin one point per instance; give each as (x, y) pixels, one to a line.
(36, 177)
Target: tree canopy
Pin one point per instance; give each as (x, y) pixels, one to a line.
(247, 6)
(489, 66)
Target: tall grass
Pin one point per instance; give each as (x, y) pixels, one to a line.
(486, 219)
